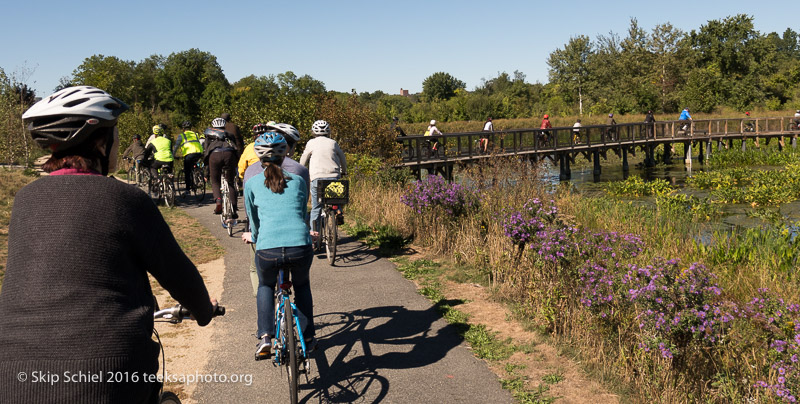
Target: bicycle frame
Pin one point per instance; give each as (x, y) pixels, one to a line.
(283, 293)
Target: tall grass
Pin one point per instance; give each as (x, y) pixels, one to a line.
(548, 293)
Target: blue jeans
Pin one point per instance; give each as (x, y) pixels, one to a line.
(316, 206)
(298, 261)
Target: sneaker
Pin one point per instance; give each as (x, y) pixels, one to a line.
(235, 215)
(218, 208)
(264, 349)
(340, 219)
(311, 344)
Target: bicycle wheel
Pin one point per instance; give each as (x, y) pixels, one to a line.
(331, 237)
(169, 193)
(169, 397)
(291, 346)
(199, 185)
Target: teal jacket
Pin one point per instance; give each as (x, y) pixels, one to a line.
(278, 220)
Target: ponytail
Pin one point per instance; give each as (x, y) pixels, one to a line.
(273, 177)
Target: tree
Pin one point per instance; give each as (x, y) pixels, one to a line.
(441, 86)
(183, 81)
(663, 43)
(569, 68)
(108, 73)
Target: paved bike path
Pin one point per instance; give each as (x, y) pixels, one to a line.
(379, 340)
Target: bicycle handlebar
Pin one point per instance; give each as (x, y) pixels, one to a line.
(179, 313)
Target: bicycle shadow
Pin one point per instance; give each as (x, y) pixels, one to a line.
(352, 253)
(355, 347)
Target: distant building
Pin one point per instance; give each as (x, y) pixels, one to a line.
(404, 93)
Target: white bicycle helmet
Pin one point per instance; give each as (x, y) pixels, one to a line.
(214, 133)
(321, 128)
(289, 132)
(270, 146)
(433, 121)
(218, 123)
(70, 116)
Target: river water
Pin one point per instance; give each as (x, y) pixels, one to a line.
(735, 215)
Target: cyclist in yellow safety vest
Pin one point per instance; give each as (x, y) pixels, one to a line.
(161, 149)
(189, 145)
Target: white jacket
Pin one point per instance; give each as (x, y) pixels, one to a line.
(324, 158)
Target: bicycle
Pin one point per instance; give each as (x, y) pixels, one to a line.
(198, 187)
(172, 315)
(289, 331)
(137, 172)
(332, 194)
(163, 187)
(227, 206)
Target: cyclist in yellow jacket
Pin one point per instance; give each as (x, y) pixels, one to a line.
(161, 149)
(248, 156)
(189, 146)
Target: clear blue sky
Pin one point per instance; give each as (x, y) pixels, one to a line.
(366, 45)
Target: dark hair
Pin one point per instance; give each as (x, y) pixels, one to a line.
(85, 156)
(273, 176)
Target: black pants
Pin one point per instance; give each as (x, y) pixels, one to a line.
(189, 161)
(157, 164)
(216, 161)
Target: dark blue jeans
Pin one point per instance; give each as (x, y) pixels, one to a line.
(298, 261)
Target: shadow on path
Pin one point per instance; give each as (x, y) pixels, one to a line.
(367, 341)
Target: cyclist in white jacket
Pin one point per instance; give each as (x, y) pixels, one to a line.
(325, 160)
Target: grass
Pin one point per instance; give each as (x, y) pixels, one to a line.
(196, 241)
(485, 344)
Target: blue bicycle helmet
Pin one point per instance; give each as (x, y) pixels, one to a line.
(270, 146)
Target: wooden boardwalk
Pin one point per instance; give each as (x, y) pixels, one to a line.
(564, 144)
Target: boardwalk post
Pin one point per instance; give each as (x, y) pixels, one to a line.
(794, 142)
(563, 160)
(744, 143)
(596, 160)
(624, 158)
(667, 153)
(708, 150)
(687, 146)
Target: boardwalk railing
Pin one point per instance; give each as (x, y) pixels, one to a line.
(455, 147)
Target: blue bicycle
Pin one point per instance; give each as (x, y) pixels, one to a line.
(289, 347)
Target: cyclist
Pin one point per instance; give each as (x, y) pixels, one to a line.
(81, 285)
(545, 125)
(248, 156)
(220, 153)
(188, 143)
(160, 149)
(488, 126)
(432, 131)
(576, 131)
(135, 150)
(326, 161)
(611, 129)
(292, 136)
(684, 120)
(233, 132)
(276, 205)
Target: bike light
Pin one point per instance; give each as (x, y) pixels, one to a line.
(335, 207)
(286, 286)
